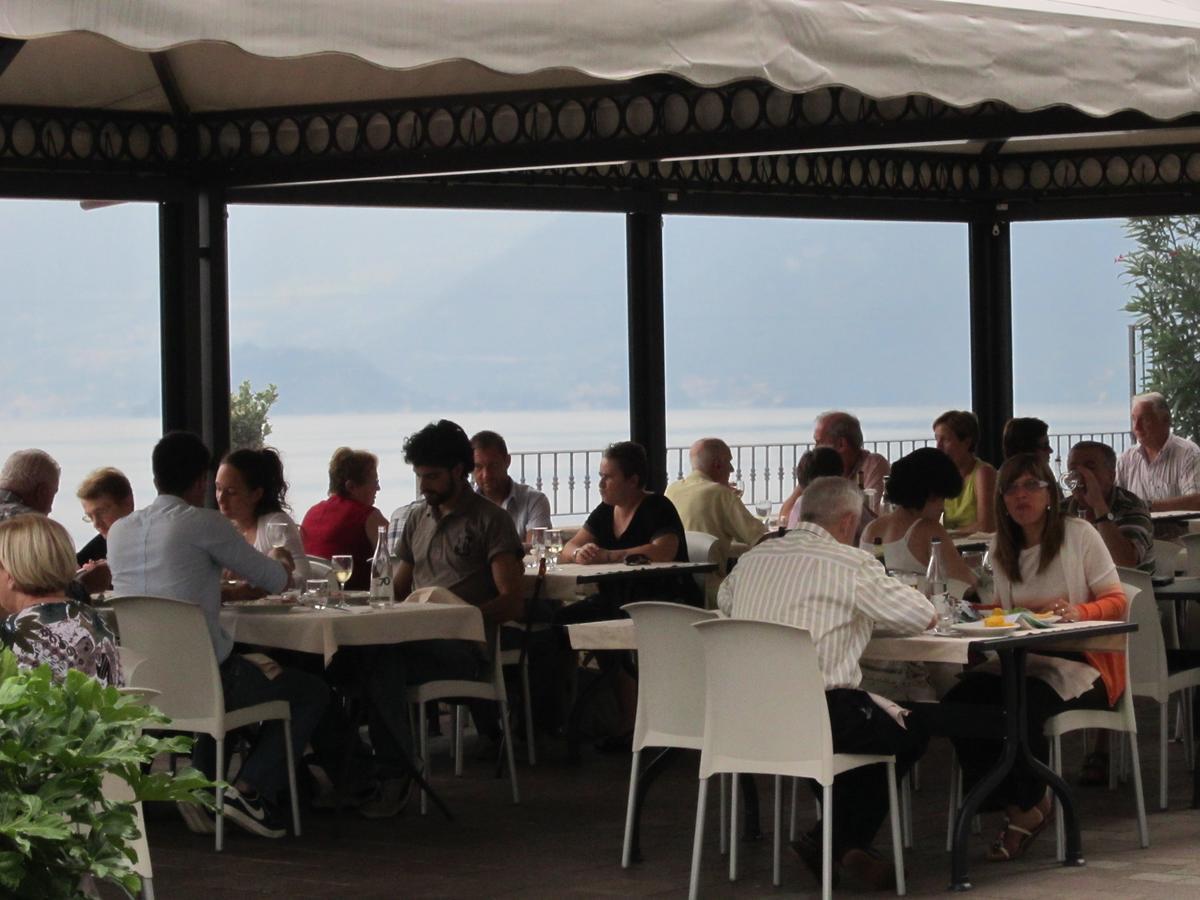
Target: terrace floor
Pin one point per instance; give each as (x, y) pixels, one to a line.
(564, 839)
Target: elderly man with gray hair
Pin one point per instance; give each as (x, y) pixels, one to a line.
(843, 432)
(28, 483)
(814, 578)
(706, 501)
(1163, 469)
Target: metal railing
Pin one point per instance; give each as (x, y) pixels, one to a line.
(767, 471)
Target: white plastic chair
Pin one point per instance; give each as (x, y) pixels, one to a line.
(670, 702)
(513, 657)
(319, 567)
(765, 713)
(1141, 610)
(704, 547)
(455, 689)
(1140, 580)
(1168, 557)
(180, 664)
(1191, 545)
(1150, 677)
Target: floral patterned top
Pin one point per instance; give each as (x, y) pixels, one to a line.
(64, 635)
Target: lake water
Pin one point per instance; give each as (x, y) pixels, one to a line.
(306, 442)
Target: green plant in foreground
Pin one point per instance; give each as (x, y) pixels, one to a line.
(57, 744)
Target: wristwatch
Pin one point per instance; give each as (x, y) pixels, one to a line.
(1107, 517)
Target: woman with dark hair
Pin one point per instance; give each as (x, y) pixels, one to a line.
(918, 487)
(1046, 562)
(252, 493)
(814, 464)
(973, 508)
(347, 522)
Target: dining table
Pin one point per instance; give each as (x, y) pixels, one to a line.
(279, 622)
(567, 581)
(1012, 650)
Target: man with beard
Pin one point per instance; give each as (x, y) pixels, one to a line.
(456, 539)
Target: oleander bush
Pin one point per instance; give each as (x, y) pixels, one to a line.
(57, 743)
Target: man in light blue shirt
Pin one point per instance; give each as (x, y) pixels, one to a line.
(528, 507)
(174, 548)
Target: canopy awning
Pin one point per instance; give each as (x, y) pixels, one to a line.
(1099, 58)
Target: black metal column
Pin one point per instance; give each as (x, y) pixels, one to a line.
(647, 352)
(991, 332)
(194, 309)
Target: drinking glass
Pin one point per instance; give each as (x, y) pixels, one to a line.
(538, 545)
(1071, 482)
(316, 592)
(740, 486)
(554, 545)
(762, 508)
(277, 534)
(343, 568)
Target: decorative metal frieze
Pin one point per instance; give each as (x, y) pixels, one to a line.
(88, 140)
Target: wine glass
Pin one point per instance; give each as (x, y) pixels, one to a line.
(343, 568)
(762, 509)
(554, 545)
(537, 546)
(1071, 482)
(277, 533)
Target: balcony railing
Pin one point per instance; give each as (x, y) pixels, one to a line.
(767, 471)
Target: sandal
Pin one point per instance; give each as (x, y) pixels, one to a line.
(1095, 770)
(999, 851)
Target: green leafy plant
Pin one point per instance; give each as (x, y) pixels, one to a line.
(1164, 272)
(57, 744)
(248, 411)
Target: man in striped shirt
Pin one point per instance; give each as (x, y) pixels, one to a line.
(1163, 469)
(814, 578)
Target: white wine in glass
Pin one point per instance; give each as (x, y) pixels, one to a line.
(554, 545)
(277, 534)
(343, 568)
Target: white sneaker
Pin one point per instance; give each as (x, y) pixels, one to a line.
(251, 814)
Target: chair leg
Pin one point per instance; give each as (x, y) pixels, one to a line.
(1143, 828)
(1162, 754)
(147, 889)
(915, 775)
(527, 701)
(220, 839)
(291, 769)
(734, 791)
(775, 873)
(698, 840)
(827, 841)
(459, 709)
(897, 850)
(627, 844)
(1060, 832)
(423, 743)
(724, 792)
(508, 751)
(955, 792)
(794, 817)
(1189, 737)
(906, 829)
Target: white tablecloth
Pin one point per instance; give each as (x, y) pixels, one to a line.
(620, 634)
(324, 630)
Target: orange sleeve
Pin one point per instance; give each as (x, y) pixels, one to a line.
(1109, 605)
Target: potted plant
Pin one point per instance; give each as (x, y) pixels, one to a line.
(57, 744)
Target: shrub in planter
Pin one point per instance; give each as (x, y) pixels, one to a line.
(57, 743)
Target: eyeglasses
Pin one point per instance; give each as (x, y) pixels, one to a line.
(1028, 486)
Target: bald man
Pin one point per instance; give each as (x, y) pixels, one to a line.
(707, 503)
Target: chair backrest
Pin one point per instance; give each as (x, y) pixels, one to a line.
(1147, 650)
(704, 547)
(670, 703)
(1191, 544)
(319, 567)
(1167, 557)
(764, 708)
(179, 661)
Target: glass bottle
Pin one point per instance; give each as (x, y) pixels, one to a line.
(381, 572)
(936, 588)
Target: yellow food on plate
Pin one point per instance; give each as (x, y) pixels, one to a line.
(995, 620)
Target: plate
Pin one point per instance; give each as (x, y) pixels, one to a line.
(978, 629)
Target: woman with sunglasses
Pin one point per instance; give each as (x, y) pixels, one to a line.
(1046, 562)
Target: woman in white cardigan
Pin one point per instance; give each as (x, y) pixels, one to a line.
(251, 493)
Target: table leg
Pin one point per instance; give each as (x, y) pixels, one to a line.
(648, 776)
(751, 826)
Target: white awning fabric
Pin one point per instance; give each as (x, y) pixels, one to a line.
(1099, 57)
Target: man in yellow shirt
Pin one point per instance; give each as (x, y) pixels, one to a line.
(706, 501)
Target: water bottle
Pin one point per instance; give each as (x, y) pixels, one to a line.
(936, 589)
(381, 572)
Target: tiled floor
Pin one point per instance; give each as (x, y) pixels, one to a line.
(565, 840)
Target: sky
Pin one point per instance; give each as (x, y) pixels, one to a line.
(353, 310)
